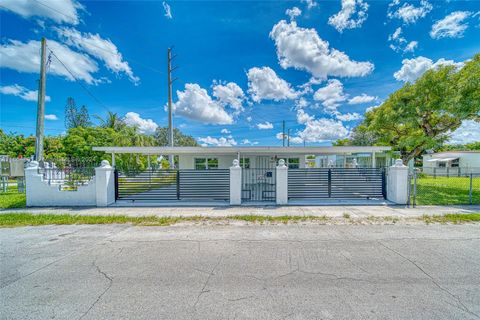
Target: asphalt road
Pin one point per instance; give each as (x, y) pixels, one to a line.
(241, 272)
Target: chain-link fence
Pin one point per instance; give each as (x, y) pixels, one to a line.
(444, 188)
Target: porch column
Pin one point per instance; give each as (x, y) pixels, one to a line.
(282, 183)
(235, 183)
(374, 160)
(113, 159)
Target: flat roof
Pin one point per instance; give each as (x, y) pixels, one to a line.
(241, 150)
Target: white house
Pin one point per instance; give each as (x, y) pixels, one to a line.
(451, 162)
(264, 157)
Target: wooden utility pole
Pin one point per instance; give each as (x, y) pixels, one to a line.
(288, 138)
(170, 119)
(283, 133)
(41, 103)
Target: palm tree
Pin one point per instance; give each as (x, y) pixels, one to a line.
(112, 120)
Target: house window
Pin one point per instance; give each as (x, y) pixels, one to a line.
(245, 163)
(455, 163)
(442, 164)
(293, 163)
(206, 163)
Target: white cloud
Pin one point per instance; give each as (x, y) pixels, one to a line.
(303, 49)
(331, 95)
(168, 11)
(21, 92)
(323, 130)
(452, 26)
(225, 131)
(265, 126)
(146, 126)
(414, 68)
(24, 57)
(229, 94)
(399, 43)
(301, 103)
(102, 49)
(408, 12)
(293, 12)
(468, 132)
(249, 119)
(246, 141)
(195, 103)
(220, 142)
(303, 117)
(363, 98)
(351, 16)
(348, 116)
(264, 84)
(310, 3)
(411, 46)
(293, 139)
(65, 11)
(369, 109)
(51, 117)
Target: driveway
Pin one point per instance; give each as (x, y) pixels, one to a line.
(240, 271)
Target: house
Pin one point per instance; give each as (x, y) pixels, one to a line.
(451, 162)
(201, 158)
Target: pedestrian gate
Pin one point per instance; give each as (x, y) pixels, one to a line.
(173, 185)
(259, 184)
(347, 183)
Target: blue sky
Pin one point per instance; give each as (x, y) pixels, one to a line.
(244, 66)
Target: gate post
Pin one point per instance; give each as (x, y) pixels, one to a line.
(105, 184)
(235, 183)
(397, 183)
(282, 183)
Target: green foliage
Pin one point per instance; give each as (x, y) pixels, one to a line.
(74, 117)
(179, 139)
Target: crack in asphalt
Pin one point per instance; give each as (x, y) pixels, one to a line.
(206, 282)
(455, 297)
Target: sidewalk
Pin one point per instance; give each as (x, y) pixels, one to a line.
(225, 211)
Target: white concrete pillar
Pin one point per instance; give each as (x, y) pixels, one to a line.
(32, 180)
(282, 182)
(105, 184)
(397, 183)
(235, 183)
(374, 160)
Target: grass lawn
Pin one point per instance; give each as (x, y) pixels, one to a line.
(447, 191)
(453, 218)
(12, 199)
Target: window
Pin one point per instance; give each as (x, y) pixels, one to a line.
(455, 163)
(206, 163)
(245, 163)
(442, 164)
(293, 163)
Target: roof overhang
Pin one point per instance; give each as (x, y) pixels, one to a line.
(441, 159)
(241, 150)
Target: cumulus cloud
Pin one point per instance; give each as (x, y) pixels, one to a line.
(348, 116)
(168, 11)
(409, 13)
(292, 139)
(264, 84)
(219, 142)
(369, 109)
(331, 95)
(195, 103)
(414, 68)
(225, 131)
(249, 119)
(351, 16)
(265, 126)
(303, 117)
(51, 117)
(146, 126)
(24, 57)
(363, 98)
(21, 92)
(310, 3)
(229, 94)
(68, 9)
(398, 43)
(246, 141)
(468, 132)
(293, 12)
(102, 49)
(452, 26)
(323, 130)
(303, 49)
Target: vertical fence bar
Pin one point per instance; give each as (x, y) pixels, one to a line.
(178, 184)
(414, 188)
(329, 183)
(115, 175)
(470, 195)
(384, 182)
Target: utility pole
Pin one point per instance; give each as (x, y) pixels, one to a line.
(283, 133)
(41, 103)
(288, 138)
(170, 119)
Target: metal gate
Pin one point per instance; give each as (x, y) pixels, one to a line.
(346, 183)
(259, 184)
(173, 185)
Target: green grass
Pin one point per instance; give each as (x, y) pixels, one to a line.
(452, 218)
(447, 191)
(12, 199)
(27, 219)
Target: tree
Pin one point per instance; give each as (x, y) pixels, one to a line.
(75, 117)
(179, 139)
(422, 115)
(111, 121)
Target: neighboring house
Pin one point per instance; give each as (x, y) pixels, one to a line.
(201, 158)
(451, 162)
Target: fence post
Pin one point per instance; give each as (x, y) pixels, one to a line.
(282, 183)
(116, 184)
(236, 183)
(435, 173)
(105, 184)
(329, 183)
(470, 195)
(397, 183)
(177, 176)
(414, 188)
